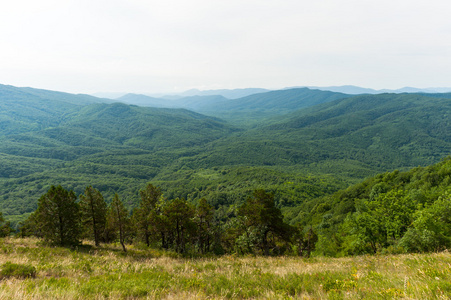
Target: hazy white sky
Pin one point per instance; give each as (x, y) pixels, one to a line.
(86, 46)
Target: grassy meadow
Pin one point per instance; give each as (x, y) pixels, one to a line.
(108, 273)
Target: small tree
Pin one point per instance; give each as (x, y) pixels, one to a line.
(204, 219)
(29, 227)
(5, 227)
(304, 239)
(431, 229)
(144, 215)
(179, 214)
(118, 220)
(93, 213)
(58, 217)
(261, 217)
(162, 224)
(379, 223)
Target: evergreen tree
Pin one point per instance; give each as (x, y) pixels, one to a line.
(118, 220)
(204, 219)
(93, 213)
(29, 227)
(58, 217)
(5, 227)
(145, 214)
(261, 218)
(162, 224)
(179, 215)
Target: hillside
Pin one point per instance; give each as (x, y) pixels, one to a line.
(226, 93)
(390, 212)
(127, 137)
(247, 110)
(279, 101)
(300, 155)
(194, 103)
(356, 90)
(99, 127)
(105, 272)
(143, 100)
(375, 132)
(12, 93)
(27, 109)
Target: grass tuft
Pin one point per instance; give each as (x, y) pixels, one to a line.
(9, 269)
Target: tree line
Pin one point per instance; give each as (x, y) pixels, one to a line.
(393, 212)
(256, 226)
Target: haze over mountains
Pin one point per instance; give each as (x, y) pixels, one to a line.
(354, 90)
(246, 110)
(300, 143)
(239, 93)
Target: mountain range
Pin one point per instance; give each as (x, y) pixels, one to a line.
(355, 90)
(299, 143)
(239, 93)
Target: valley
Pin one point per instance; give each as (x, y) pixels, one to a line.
(304, 146)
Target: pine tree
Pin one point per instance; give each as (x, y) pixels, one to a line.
(179, 215)
(93, 213)
(262, 217)
(118, 220)
(58, 217)
(5, 227)
(204, 219)
(144, 215)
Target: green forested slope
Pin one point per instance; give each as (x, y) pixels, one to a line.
(28, 109)
(195, 103)
(278, 101)
(250, 110)
(299, 156)
(378, 132)
(245, 111)
(392, 211)
(100, 127)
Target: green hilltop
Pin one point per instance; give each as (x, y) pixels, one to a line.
(300, 144)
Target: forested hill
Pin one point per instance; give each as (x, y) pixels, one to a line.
(351, 136)
(281, 101)
(247, 110)
(391, 212)
(38, 97)
(194, 103)
(311, 146)
(27, 109)
(227, 93)
(99, 127)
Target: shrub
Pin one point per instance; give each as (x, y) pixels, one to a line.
(17, 270)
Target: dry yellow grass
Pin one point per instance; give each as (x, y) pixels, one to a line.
(107, 273)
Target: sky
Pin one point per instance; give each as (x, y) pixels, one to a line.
(146, 46)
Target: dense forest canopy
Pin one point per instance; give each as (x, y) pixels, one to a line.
(301, 145)
(393, 212)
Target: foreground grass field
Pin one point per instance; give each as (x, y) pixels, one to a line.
(107, 273)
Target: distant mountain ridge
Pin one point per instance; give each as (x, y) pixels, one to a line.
(56, 138)
(9, 92)
(28, 109)
(356, 90)
(252, 108)
(226, 93)
(188, 102)
(240, 93)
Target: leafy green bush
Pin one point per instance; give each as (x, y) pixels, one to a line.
(17, 270)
